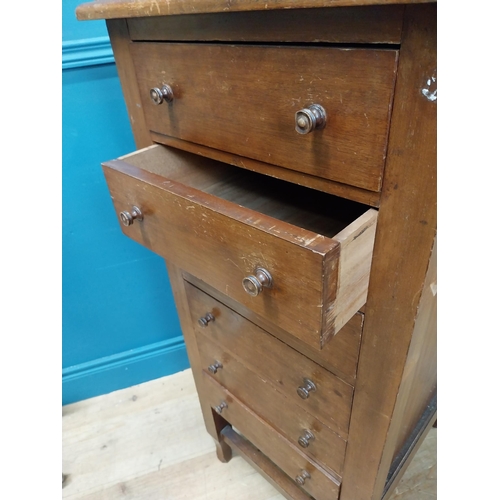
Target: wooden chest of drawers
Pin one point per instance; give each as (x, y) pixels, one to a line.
(286, 172)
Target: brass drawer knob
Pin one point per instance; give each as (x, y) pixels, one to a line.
(219, 408)
(205, 320)
(213, 368)
(306, 438)
(309, 119)
(128, 218)
(158, 95)
(304, 390)
(254, 284)
(301, 478)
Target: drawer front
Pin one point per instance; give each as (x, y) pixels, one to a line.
(316, 284)
(275, 362)
(243, 100)
(300, 427)
(339, 356)
(319, 484)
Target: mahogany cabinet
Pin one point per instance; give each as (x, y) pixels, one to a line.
(286, 171)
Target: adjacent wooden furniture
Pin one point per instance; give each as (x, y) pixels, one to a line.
(286, 171)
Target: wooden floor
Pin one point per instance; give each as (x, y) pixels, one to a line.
(149, 442)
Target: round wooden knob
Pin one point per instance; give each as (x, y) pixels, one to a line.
(302, 477)
(158, 95)
(309, 119)
(308, 387)
(306, 438)
(254, 284)
(128, 218)
(205, 320)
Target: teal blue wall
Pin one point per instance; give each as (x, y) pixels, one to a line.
(120, 326)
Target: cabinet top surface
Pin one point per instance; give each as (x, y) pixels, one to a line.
(113, 9)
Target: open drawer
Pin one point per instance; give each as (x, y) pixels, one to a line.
(297, 257)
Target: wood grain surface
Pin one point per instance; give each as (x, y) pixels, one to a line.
(372, 24)
(284, 454)
(405, 236)
(149, 442)
(266, 468)
(288, 418)
(120, 42)
(213, 422)
(276, 363)
(419, 384)
(243, 99)
(222, 242)
(235, 103)
(339, 356)
(371, 198)
(107, 9)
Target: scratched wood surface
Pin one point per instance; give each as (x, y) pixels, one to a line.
(340, 354)
(371, 24)
(287, 457)
(242, 220)
(394, 338)
(286, 416)
(353, 193)
(149, 442)
(243, 98)
(282, 367)
(112, 9)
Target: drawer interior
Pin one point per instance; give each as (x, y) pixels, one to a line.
(318, 212)
(222, 224)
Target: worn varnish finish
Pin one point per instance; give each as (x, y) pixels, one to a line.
(283, 413)
(284, 454)
(215, 221)
(148, 442)
(371, 198)
(278, 364)
(214, 423)
(420, 375)
(406, 232)
(264, 466)
(377, 24)
(243, 99)
(194, 199)
(339, 356)
(113, 9)
(120, 42)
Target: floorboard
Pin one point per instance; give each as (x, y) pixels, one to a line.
(149, 442)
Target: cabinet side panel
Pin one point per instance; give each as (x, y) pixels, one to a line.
(120, 42)
(405, 235)
(419, 378)
(214, 423)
